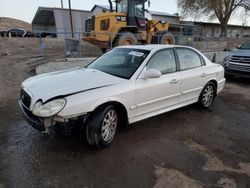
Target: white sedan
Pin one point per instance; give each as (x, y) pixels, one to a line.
(125, 85)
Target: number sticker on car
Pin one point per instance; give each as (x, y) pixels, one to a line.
(134, 53)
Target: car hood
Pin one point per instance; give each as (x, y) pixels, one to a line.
(61, 83)
(239, 52)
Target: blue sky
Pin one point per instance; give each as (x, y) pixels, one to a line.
(26, 9)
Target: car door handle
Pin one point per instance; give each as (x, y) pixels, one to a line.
(203, 75)
(174, 81)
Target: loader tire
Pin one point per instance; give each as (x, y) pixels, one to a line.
(163, 38)
(167, 38)
(125, 38)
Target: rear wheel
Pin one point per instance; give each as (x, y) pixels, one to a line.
(207, 95)
(101, 126)
(125, 38)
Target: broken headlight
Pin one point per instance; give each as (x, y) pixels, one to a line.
(48, 109)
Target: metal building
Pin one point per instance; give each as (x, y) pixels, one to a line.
(57, 20)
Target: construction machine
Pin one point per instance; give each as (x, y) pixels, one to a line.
(128, 24)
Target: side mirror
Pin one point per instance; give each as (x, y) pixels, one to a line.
(152, 73)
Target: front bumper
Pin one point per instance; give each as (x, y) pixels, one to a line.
(33, 120)
(237, 73)
(237, 70)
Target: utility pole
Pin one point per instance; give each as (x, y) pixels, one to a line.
(61, 3)
(71, 22)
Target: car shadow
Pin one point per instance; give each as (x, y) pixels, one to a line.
(76, 140)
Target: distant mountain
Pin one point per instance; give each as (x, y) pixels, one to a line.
(9, 23)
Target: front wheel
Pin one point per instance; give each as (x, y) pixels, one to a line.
(101, 126)
(125, 38)
(167, 38)
(207, 95)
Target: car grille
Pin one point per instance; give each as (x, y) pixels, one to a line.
(26, 99)
(240, 59)
(239, 67)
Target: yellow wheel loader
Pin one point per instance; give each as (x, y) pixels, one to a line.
(130, 23)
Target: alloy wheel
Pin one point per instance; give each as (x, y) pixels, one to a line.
(109, 125)
(208, 96)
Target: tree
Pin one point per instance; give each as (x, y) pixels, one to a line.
(222, 9)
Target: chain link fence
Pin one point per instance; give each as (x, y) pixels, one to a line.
(63, 45)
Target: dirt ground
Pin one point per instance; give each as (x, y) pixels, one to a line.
(186, 148)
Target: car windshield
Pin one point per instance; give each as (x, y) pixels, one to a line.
(120, 62)
(245, 45)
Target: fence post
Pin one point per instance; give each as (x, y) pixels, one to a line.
(79, 44)
(111, 45)
(207, 42)
(41, 45)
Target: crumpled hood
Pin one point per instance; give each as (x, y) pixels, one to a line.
(239, 52)
(61, 83)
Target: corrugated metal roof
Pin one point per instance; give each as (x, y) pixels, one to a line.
(45, 15)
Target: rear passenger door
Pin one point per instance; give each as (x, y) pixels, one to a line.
(192, 74)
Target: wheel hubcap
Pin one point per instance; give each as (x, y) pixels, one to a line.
(208, 96)
(109, 125)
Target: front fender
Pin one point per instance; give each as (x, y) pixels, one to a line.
(85, 102)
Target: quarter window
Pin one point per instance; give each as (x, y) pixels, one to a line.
(164, 61)
(188, 59)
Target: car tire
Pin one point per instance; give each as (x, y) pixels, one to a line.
(207, 95)
(102, 126)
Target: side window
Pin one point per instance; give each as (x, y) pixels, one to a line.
(188, 59)
(163, 61)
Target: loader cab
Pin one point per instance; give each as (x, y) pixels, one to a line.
(135, 10)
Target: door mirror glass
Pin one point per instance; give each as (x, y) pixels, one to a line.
(152, 73)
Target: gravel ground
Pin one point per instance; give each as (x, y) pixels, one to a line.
(187, 147)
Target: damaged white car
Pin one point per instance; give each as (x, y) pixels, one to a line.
(125, 85)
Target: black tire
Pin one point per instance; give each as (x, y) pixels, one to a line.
(167, 38)
(96, 123)
(162, 38)
(207, 95)
(125, 38)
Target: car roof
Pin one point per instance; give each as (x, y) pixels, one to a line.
(152, 46)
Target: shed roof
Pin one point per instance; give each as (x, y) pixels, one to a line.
(45, 15)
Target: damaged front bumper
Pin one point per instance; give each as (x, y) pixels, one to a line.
(41, 124)
(34, 121)
(46, 125)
